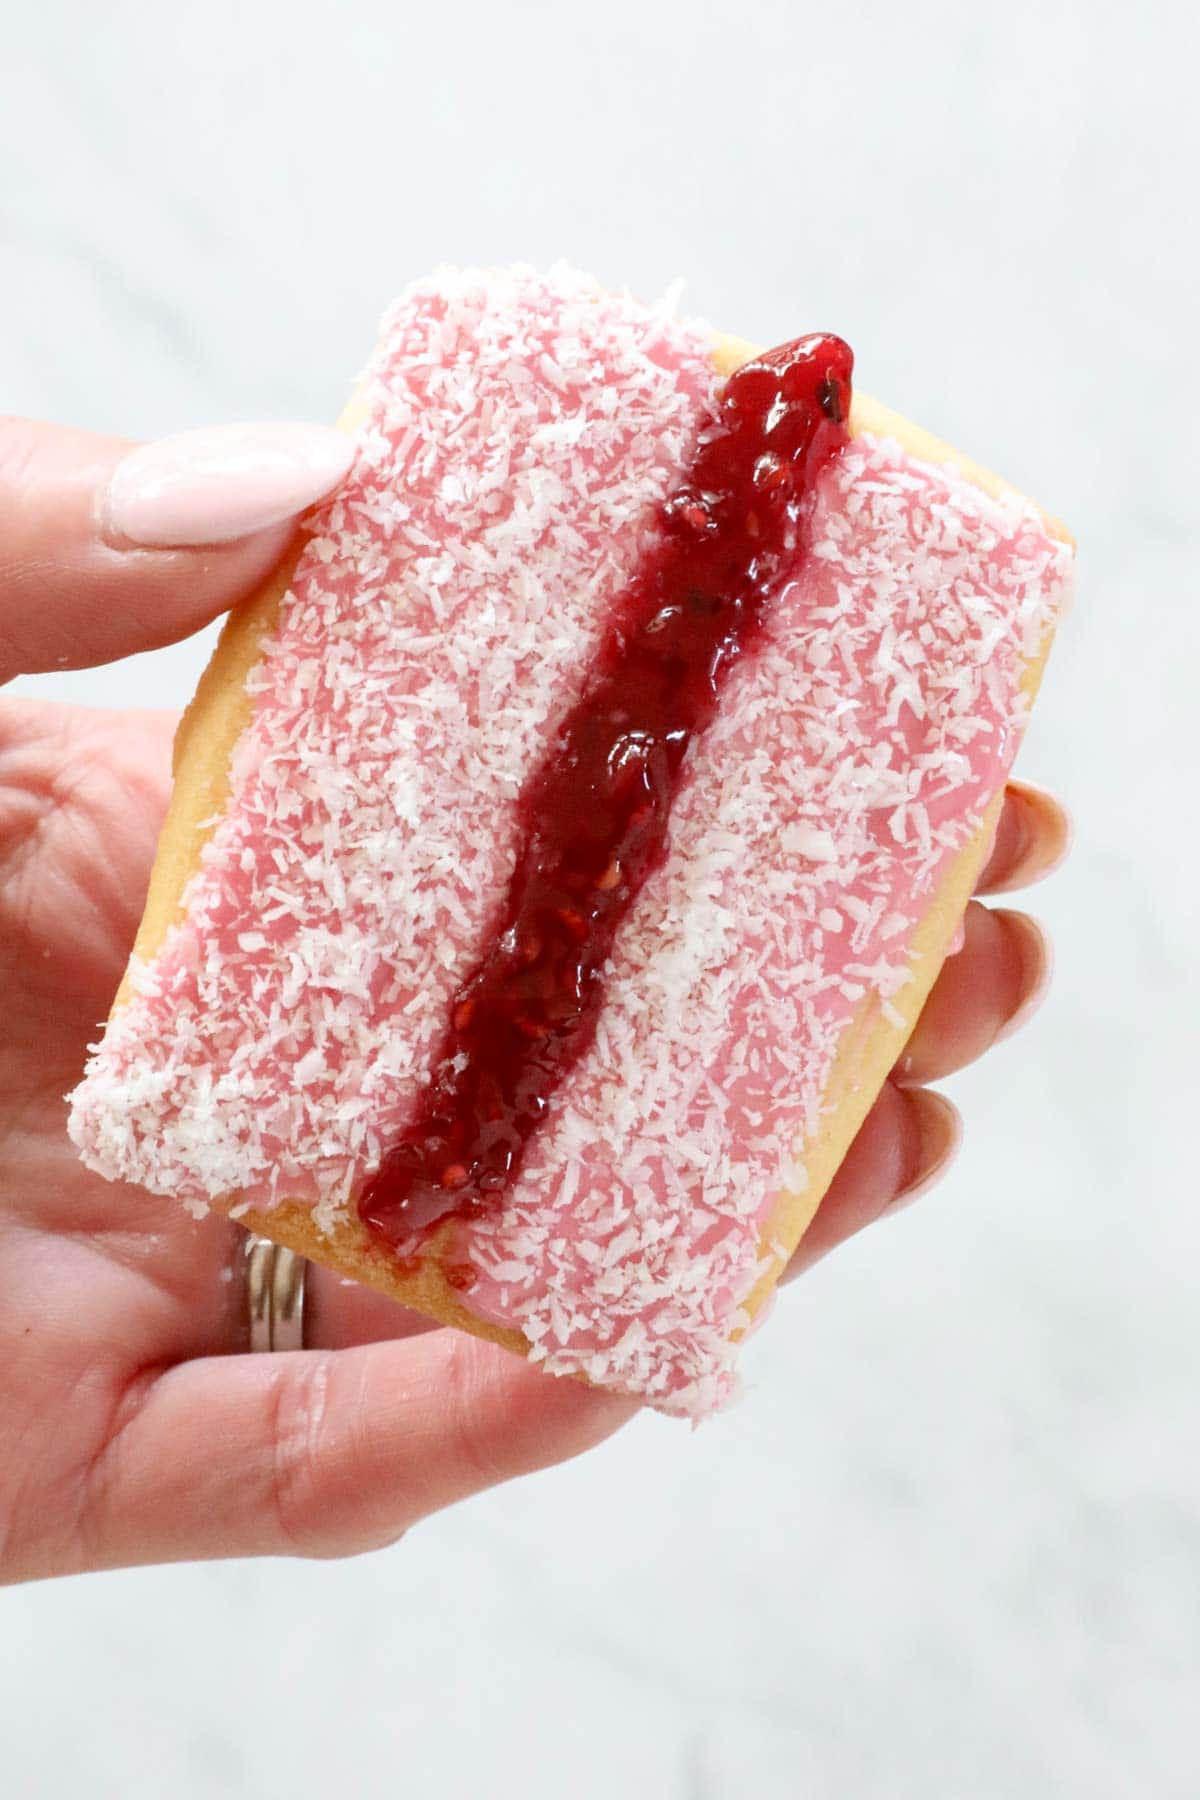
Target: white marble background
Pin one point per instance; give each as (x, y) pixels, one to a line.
(950, 1544)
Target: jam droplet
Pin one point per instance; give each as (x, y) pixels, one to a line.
(594, 817)
(461, 1276)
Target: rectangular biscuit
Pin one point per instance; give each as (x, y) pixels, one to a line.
(342, 821)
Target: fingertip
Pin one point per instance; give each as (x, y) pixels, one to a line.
(982, 995)
(1033, 838)
(905, 1145)
(1035, 949)
(105, 552)
(938, 1136)
(220, 484)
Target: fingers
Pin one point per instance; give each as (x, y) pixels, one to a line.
(82, 795)
(907, 1142)
(106, 549)
(325, 1453)
(983, 994)
(1032, 838)
(339, 1313)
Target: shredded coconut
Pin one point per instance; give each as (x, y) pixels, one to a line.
(519, 433)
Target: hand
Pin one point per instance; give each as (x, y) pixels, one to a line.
(132, 1426)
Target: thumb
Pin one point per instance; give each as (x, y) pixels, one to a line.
(325, 1453)
(107, 548)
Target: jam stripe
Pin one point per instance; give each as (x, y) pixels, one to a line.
(595, 817)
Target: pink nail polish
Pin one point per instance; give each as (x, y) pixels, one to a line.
(1057, 824)
(212, 486)
(1038, 946)
(949, 1130)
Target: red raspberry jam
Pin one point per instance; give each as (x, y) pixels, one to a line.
(594, 817)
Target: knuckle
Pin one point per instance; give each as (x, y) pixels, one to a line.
(322, 1493)
(295, 1417)
(470, 1421)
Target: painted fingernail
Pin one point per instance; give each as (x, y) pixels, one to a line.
(1047, 833)
(941, 1129)
(212, 486)
(1037, 959)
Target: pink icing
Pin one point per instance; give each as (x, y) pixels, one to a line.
(519, 433)
(850, 761)
(518, 429)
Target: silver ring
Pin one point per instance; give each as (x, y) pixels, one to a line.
(274, 1295)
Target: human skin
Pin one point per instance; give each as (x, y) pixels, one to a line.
(134, 1425)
